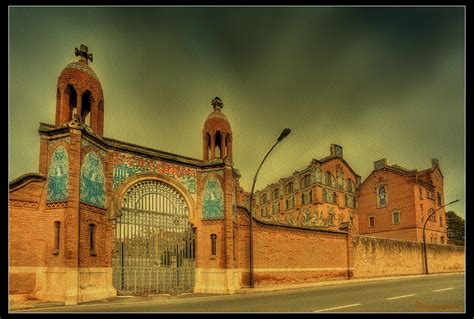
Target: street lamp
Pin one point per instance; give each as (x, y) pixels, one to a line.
(424, 238)
(283, 134)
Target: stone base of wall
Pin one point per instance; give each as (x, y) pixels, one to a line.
(269, 276)
(217, 281)
(68, 285)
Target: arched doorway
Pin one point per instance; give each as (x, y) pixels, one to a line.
(153, 248)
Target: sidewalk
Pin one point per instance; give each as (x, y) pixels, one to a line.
(24, 305)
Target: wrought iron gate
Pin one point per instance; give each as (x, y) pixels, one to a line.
(154, 242)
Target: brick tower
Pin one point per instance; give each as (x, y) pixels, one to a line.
(79, 94)
(217, 134)
(217, 258)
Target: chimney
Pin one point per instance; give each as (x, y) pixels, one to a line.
(434, 162)
(336, 150)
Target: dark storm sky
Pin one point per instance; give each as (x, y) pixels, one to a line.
(381, 82)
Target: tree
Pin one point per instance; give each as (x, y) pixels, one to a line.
(455, 226)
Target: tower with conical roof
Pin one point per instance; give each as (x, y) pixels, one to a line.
(79, 94)
(217, 135)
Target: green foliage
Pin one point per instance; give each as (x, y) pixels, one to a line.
(455, 225)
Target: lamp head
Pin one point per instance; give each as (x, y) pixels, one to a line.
(284, 134)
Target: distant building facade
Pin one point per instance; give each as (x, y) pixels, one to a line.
(395, 202)
(323, 195)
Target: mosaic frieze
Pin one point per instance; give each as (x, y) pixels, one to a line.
(125, 166)
(58, 176)
(92, 181)
(212, 200)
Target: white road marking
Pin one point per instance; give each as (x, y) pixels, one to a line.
(442, 289)
(398, 297)
(340, 307)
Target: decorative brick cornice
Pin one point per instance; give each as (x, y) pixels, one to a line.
(56, 205)
(21, 203)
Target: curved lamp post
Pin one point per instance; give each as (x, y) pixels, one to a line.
(424, 238)
(283, 134)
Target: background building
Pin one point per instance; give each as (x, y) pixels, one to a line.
(394, 203)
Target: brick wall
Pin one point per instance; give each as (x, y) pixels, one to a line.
(286, 254)
(378, 257)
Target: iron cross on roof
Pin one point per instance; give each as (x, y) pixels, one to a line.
(83, 53)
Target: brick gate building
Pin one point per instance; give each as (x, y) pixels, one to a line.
(104, 216)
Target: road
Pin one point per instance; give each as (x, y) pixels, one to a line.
(437, 293)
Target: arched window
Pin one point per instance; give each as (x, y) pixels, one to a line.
(87, 101)
(439, 199)
(289, 188)
(345, 201)
(306, 180)
(263, 199)
(275, 193)
(218, 140)
(334, 197)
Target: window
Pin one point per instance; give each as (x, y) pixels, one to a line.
(328, 178)
(430, 194)
(330, 220)
(263, 199)
(57, 229)
(334, 197)
(442, 239)
(290, 202)
(306, 180)
(421, 193)
(439, 199)
(349, 185)
(325, 195)
(264, 212)
(275, 193)
(441, 220)
(382, 196)
(354, 202)
(289, 188)
(395, 217)
(92, 239)
(432, 216)
(371, 221)
(213, 244)
(276, 207)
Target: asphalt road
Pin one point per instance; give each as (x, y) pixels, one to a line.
(438, 293)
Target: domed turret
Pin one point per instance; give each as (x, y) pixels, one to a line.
(79, 94)
(217, 134)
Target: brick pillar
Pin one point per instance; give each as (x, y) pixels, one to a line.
(43, 158)
(222, 146)
(350, 256)
(71, 220)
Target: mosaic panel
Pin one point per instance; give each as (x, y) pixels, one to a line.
(382, 196)
(212, 200)
(92, 181)
(125, 166)
(58, 176)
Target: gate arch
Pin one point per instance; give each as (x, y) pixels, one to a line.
(153, 249)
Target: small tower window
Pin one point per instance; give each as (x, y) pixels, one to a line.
(439, 199)
(92, 230)
(57, 233)
(289, 188)
(275, 194)
(213, 244)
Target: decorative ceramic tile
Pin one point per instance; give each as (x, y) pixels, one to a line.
(126, 165)
(58, 176)
(212, 200)
(381, 196)
(92, 181)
